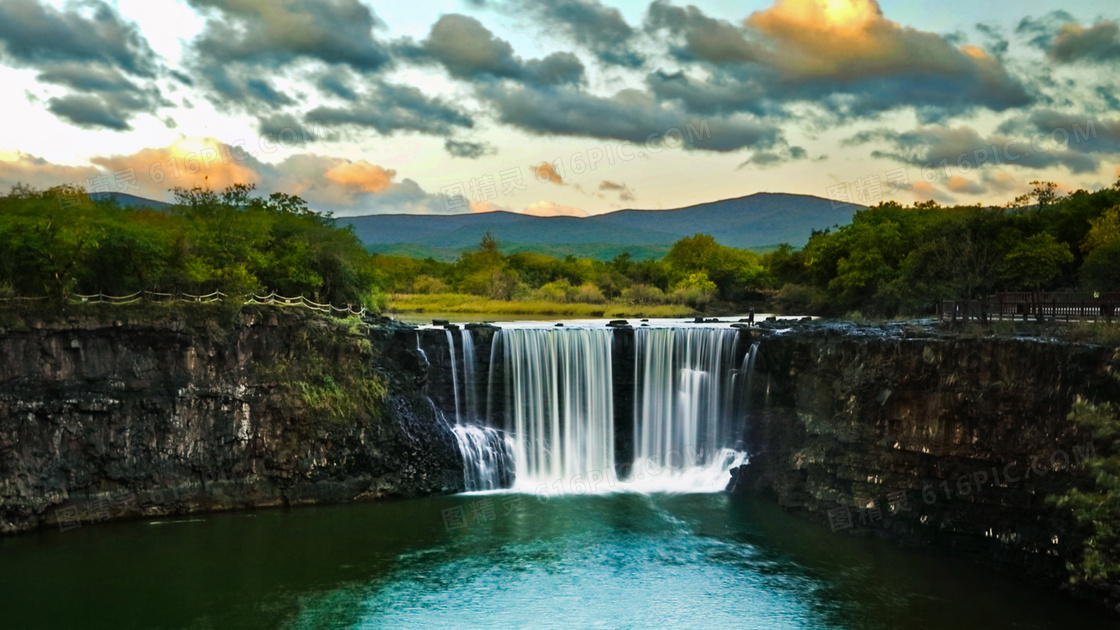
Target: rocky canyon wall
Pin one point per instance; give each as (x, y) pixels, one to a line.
(104, 418)
(932, 438)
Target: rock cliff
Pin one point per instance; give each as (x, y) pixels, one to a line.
(146, 415)
(932, 438)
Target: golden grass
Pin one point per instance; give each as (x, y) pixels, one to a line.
(460, 303)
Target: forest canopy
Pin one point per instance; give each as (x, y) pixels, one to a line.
(58, 242)
(890, 260)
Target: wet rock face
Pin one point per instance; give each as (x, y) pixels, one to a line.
(928, 438)
(123, 419)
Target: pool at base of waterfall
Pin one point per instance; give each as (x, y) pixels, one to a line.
(505, 560)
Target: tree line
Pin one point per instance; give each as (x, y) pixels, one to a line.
(890, 260)
(58, 242)
(899, 260)
(696, 271)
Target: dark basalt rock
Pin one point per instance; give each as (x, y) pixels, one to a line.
(957, 441)
(167, 417)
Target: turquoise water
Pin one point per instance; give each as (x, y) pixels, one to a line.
(505, 561)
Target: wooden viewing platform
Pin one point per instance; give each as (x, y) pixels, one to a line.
(1024, 306)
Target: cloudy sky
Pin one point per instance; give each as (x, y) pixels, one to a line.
(561, 106)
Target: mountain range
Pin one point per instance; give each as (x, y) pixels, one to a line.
(760, 222)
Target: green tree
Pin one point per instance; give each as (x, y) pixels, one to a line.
(1103, 230)
(1101, 269)
(1035, 261)
(1044, 193)
(1098, 507)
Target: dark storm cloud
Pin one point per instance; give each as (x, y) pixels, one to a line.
(470, 51)
(1041, 31)
(243, 85)
(768, 159)
(996, 42)
(545, 96)
(104, 98)
(103, 62)
(286, 128)
(1081, 134)
(387, 108)
(88, 111)
(720, 93)
(629, 115)
(468, 150)
(37, 35)
(701, 38)
(244, 42)
(337, 82)
(87, 78)
(964, 149)
(601, 29)
(272, 33)
(181, 77)
(257, 54)
(1100, 42)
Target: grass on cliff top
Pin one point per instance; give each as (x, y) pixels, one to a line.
(216, 319)
(1102, 333)
(1094, 332)
(459, 303)
(332, 379)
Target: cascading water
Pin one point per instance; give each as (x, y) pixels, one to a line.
(684, 408)
(454, 374)
(552, 390)
(470, 391)
(486, 452)
(560, 405)
(487, 457)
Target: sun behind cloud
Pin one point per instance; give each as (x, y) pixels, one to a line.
(361, 175)
(853, 38)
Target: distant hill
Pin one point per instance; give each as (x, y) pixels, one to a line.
(757, 221)
(125, 200)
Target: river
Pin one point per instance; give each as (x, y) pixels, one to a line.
(503, 560)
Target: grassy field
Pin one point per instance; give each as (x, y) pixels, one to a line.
(459, 303)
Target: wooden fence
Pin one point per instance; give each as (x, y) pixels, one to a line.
(1066, 307)
(216, 296)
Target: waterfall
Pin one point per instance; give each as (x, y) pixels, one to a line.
(470, 392)
(454, 374)
(684, 407)
(549, 425)
(560, 406)
(486, 452)
(487, 455)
